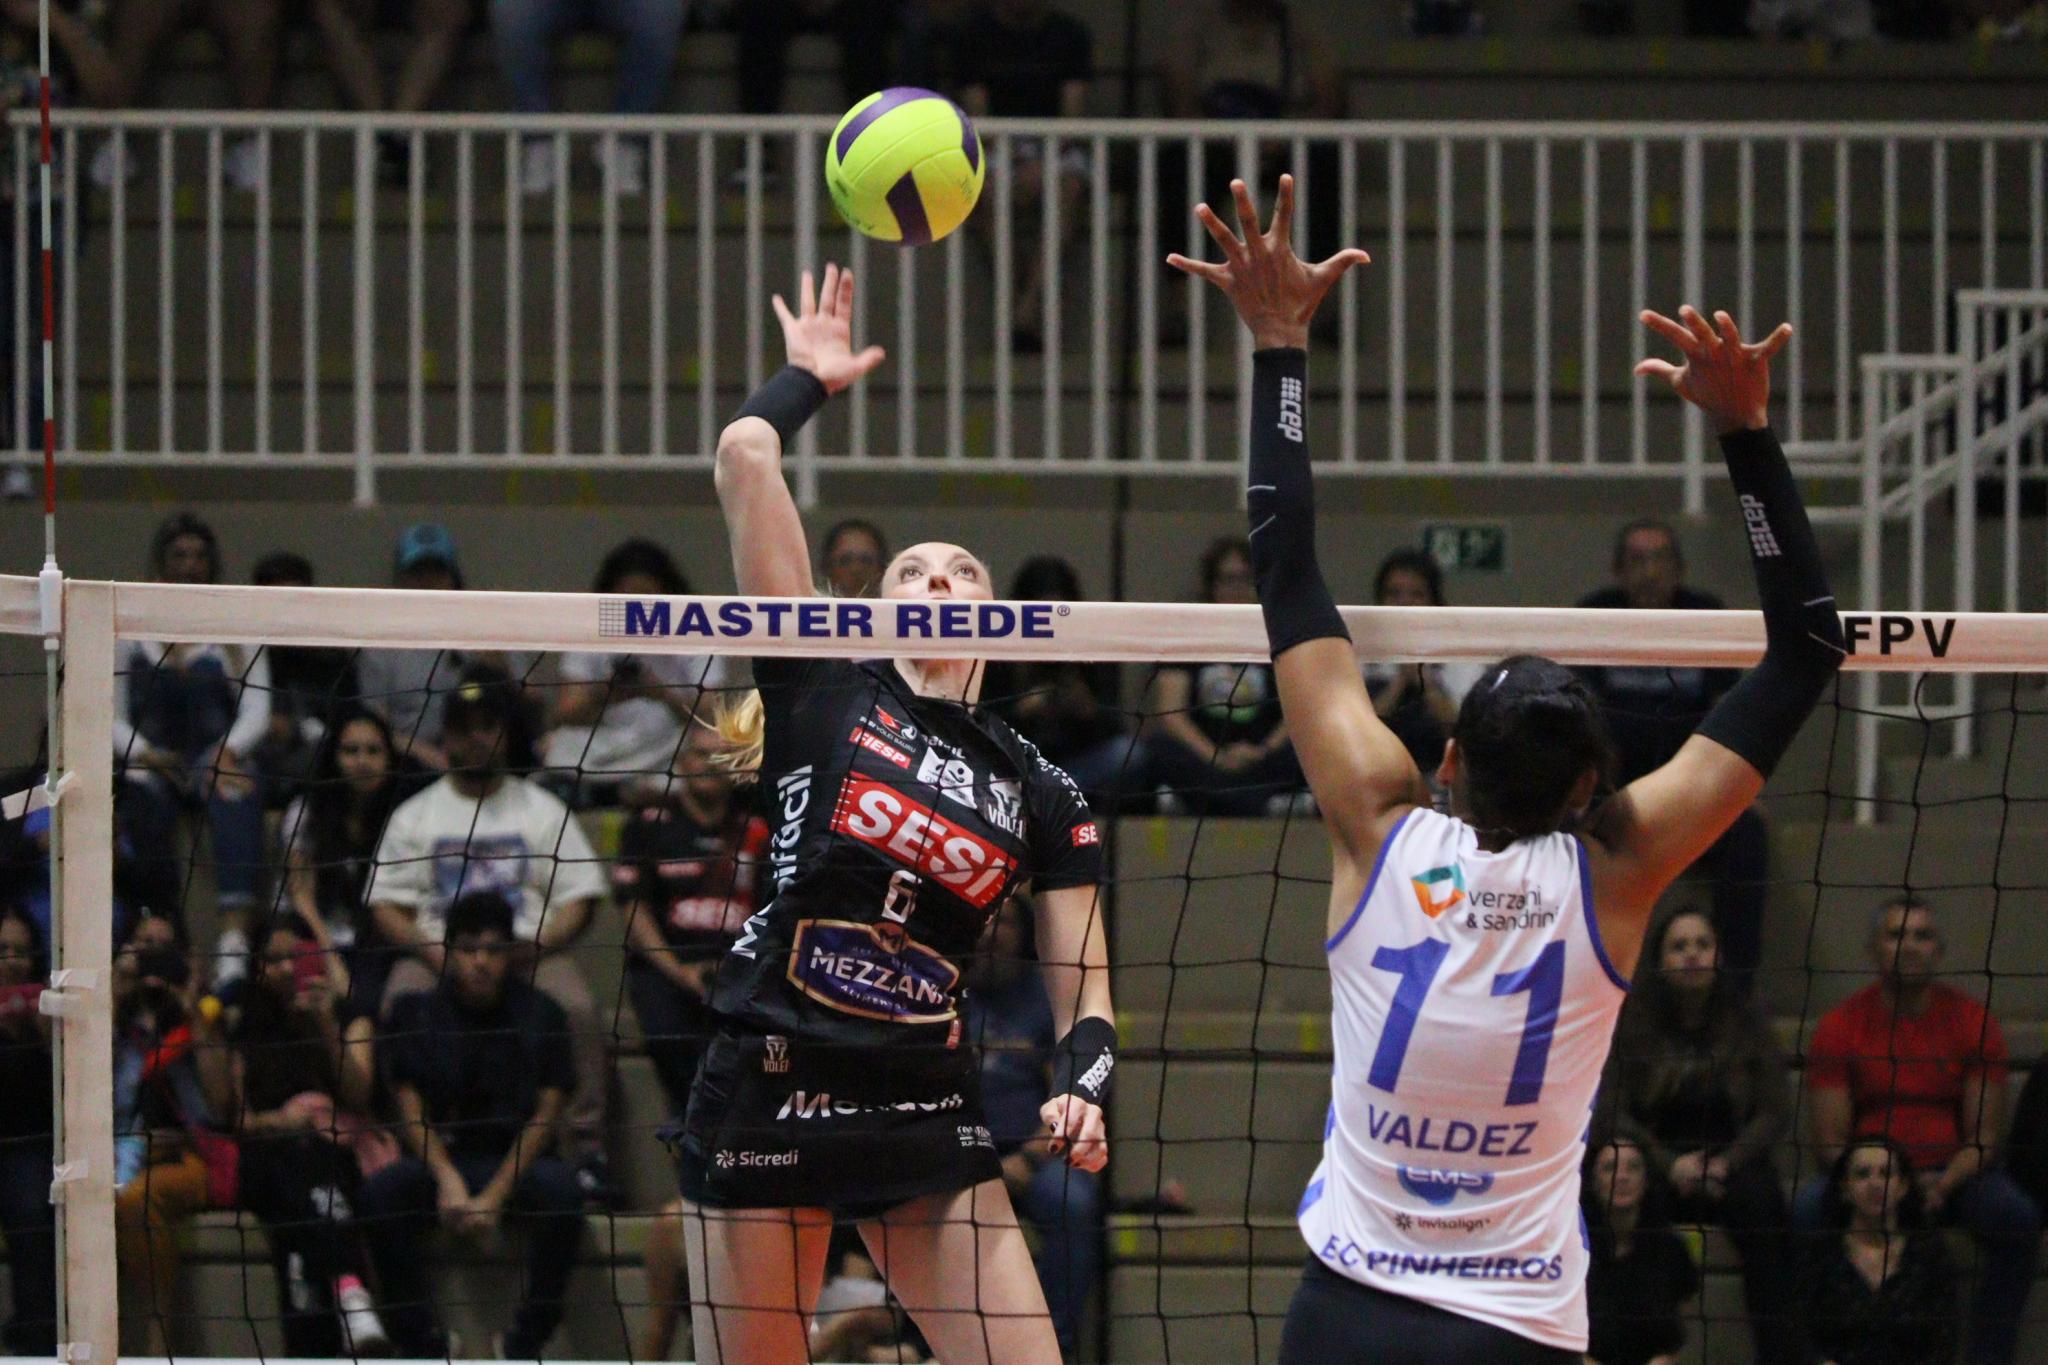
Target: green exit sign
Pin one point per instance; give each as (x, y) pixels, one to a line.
(1467, 546)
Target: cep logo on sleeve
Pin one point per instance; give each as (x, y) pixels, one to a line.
(1087, 834)
(1290, 409)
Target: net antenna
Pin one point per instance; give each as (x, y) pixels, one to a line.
(70, 991)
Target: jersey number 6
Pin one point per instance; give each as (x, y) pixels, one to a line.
(1417, 967)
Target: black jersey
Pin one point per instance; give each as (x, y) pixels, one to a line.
(900, 823)
(698, 881)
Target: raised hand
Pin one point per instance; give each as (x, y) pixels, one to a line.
(1274, 291)
(1723, 376)
(819, 336)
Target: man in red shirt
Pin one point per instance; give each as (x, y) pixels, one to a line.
(1920, 1062)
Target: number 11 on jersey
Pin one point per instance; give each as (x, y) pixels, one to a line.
(1418, 965)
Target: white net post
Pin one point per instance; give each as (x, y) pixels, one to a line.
(83, 1037)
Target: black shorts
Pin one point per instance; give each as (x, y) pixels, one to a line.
(1338, 1321)
(777, 1123)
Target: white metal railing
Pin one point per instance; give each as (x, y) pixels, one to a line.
(461, 321)
(1935, 427)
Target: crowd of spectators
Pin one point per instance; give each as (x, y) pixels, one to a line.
(1234, 59)
(360, 1016)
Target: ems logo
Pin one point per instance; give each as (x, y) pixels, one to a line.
(1438, 889)
(775, 1055)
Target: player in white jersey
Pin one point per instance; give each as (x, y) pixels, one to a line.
(1478, 958)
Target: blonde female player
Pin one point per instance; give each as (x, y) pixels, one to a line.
(1478, 958)
(838, 1084)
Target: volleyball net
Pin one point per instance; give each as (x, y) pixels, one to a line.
(231, 962)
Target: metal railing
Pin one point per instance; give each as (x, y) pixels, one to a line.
(1941, 428)
(323, 316)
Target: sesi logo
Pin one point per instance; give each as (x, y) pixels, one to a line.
(1087, 834)
(914, 835)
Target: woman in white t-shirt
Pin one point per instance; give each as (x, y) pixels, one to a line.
(619, 718)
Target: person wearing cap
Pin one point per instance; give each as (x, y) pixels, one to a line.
(481, 828)
(409, 687)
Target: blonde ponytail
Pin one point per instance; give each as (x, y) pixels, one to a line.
(743, 725)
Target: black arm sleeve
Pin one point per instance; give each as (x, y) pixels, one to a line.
(1760, 715)
(1282, 506)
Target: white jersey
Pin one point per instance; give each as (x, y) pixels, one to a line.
(1473, 1009)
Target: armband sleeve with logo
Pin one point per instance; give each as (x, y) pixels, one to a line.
(1084, 1060)
(1760, 715)
(1281, 502)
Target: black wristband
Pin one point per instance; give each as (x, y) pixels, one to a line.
(1084, 1059)
(790, 398)
(1281, 502)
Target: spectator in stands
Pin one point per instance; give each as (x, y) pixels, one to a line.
(82, 73)
(1024, 59)
(410, 686)
(648, 32)
(27, 1124)
(306, 683)
(479, 828)
(83, 70)
(863, 29)
(1650, 714)
(2008, 21)
(480, 1070)
(852, 556)
(1696, 1078)
(347, 29)
(250, 33)
(1067, 708)
(687, 877)
(1214, 734)
(172, 1074)
(1445, 19)
(330, 836)
(1641, 1275)
(1919, 1063)
(1010, 1020)
(1835, 21)
(619, 718)
(187, 717)
(2026, 1146)
(1879, 1289)
(303, 1073)
(1253, 60)
(1419, 702)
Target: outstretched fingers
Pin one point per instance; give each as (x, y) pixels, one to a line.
(1701, 330)
(806, 295)
(1233, 249)
(845, 305)
(1281, 232)
(1774, 343)
(1673, 331)
(1330, 271)
(1247, 211)
(782, 313)
(1201, 270)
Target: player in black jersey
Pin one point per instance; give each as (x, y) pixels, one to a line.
(839, 1083)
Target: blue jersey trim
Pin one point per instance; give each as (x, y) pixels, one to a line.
(1592, 920)
(1371, 881)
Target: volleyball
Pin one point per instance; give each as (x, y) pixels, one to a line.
(905, 165)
